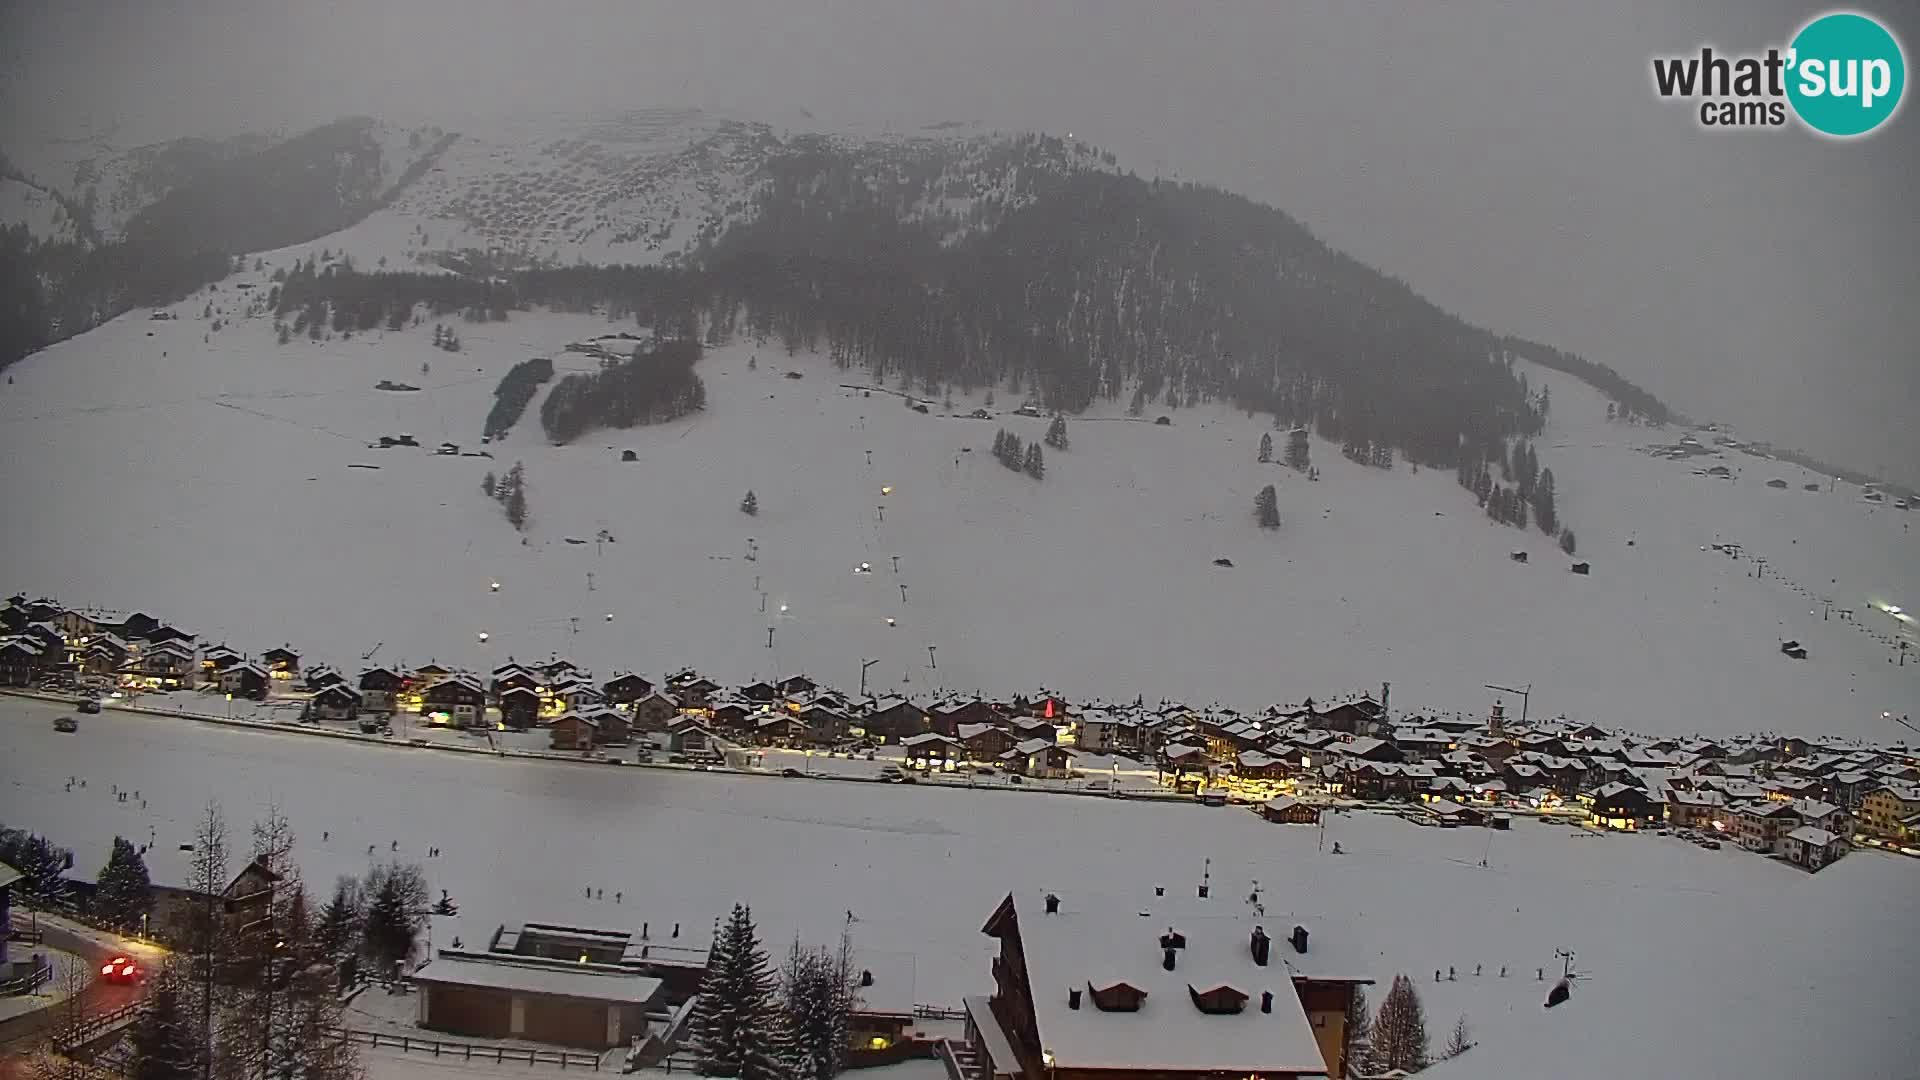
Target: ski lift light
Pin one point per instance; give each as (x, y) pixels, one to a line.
(889, 620)
(609, 616)
(783, 609)
(483, 637)
(494, 586)
(888, 490)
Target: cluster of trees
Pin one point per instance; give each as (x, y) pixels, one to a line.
(252, 996)
(444, 338)
(1532, 495)
(124, 891)
(1266, 508)
(510, 491)
(755, 1024)
(516, 390)
(655, 385)
(1020, 456)
(1299, 451)
(1395, 1038)
(1366, 452)
(750, 505)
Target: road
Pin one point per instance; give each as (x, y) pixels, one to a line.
(19, 1034)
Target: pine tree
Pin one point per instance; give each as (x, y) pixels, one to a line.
(750, 506)
(1399, 1036)
(487, 483)
(1298, 449)
(1566, 542)
(1610, 412)
(1057, 433)
(818, 990)
(42, 865)
(391, 920)
(1359, 1034)
(737, 1020)
(1266, 508)
(1139, 403)
(1035, 466)
(207, 937)
(1545, 514)
(1266, 448)
(165, 1044)
(1461, 1040)
(337, 933)
(123, 892)
(1000, 446)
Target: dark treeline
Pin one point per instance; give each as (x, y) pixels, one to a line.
(516, 389)
(655, 385)
(1635, 399)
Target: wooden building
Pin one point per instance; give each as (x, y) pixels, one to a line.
(378, 686)
(1287, 810)
(456, 701)
(246, 680)
(519, 707)
(335, 701)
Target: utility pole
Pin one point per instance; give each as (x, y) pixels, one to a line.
(930, 662)
(769, 637)
(903, 594)
(882, 511)
(574, 623)
(864, 665)
(896, 564)
(1525, 692)
(589, 581)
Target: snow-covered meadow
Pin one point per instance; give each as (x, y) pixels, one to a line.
(207, 476)
(1697, 963)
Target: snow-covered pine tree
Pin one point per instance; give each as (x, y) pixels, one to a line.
(817, 989)
(1545, 513)
(123, 892)
(516, 501)
(1035, 466)
(1566, 542)
(1399, 1037)
(1266, 508)
(166, 1045)
(1461, 1041)
(488, 483)
(1266, 447)
(750, 506)
(337, 932)
(1000, 446)
(387, 933)
(737, 1020)
(1359, 1034)
(1057, 432)
(1298, 450)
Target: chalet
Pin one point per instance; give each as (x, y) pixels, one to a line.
(1259, 765)
(654, 712)
(1696, 809)
(881, 1019)
(760, 693)
(797, 686)
(169, 665)
(246, 680)
(931, 750)
(320, 676)
(378, 685)
(947, 715)
(1811, 847)
(335, 701)
(1543, 743)
(162, 632)
(625, 689)
(1418, 743)
(1287, 810)
(692, 739)
(572, 693)
(241, 903)
(1788, 788)
(23, 660)
(893, 719)
(1822, 815)
(559, 668)
(1848, 786)
(823, 726)
(104, 655)
(431, 672)
(1370, 749)
(1446, 787)
(736, 715)
(1376, 780)
(216, 658)
(1098, 732)
(1451, 815)
(514, 677)
(1759, 825)
(778, 729)
(1582, 568)
(519, 707)
(1034, 728)
(1622, 806)
(694, 692)
(985, 742)
(455, 700)
(1104, 994)
(574, 730)
(1358, 717)
(282, 662)
(1038, 757)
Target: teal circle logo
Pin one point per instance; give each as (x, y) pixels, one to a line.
(1847, 74)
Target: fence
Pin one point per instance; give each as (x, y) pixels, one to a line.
(93, 1027)
(566, 1059)
(938, 1012)
(26, 984)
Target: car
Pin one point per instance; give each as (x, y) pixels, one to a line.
(91, 705)
(67, 724)
(985, 770)
(791, 773)
(121, 969)
(1713, 845)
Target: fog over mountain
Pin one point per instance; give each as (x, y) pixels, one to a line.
(1508, 159)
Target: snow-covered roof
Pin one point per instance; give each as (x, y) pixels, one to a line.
(893, 983)
(555, 981)
(1079, 950)
(1810, 834)
(925, 738)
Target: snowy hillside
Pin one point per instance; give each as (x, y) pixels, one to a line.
(208, 476)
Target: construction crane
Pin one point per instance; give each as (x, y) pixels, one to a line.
(1525, 692)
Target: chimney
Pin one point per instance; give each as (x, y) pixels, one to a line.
(1053, 904)
(1261, 946)
(1159, 890)
(1167, 958)
(1073, 999)
(1266, 1001)
(866, 977)
(1173, 939)
(1300, 939)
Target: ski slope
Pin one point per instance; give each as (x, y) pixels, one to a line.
(1696, 963)
(207, 476)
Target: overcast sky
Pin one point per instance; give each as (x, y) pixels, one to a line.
(1508, 159)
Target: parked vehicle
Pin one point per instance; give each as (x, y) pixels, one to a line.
(792, 773)
(91, 705)
(67, 724)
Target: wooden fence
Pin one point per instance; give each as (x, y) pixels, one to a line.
(566, 1059)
